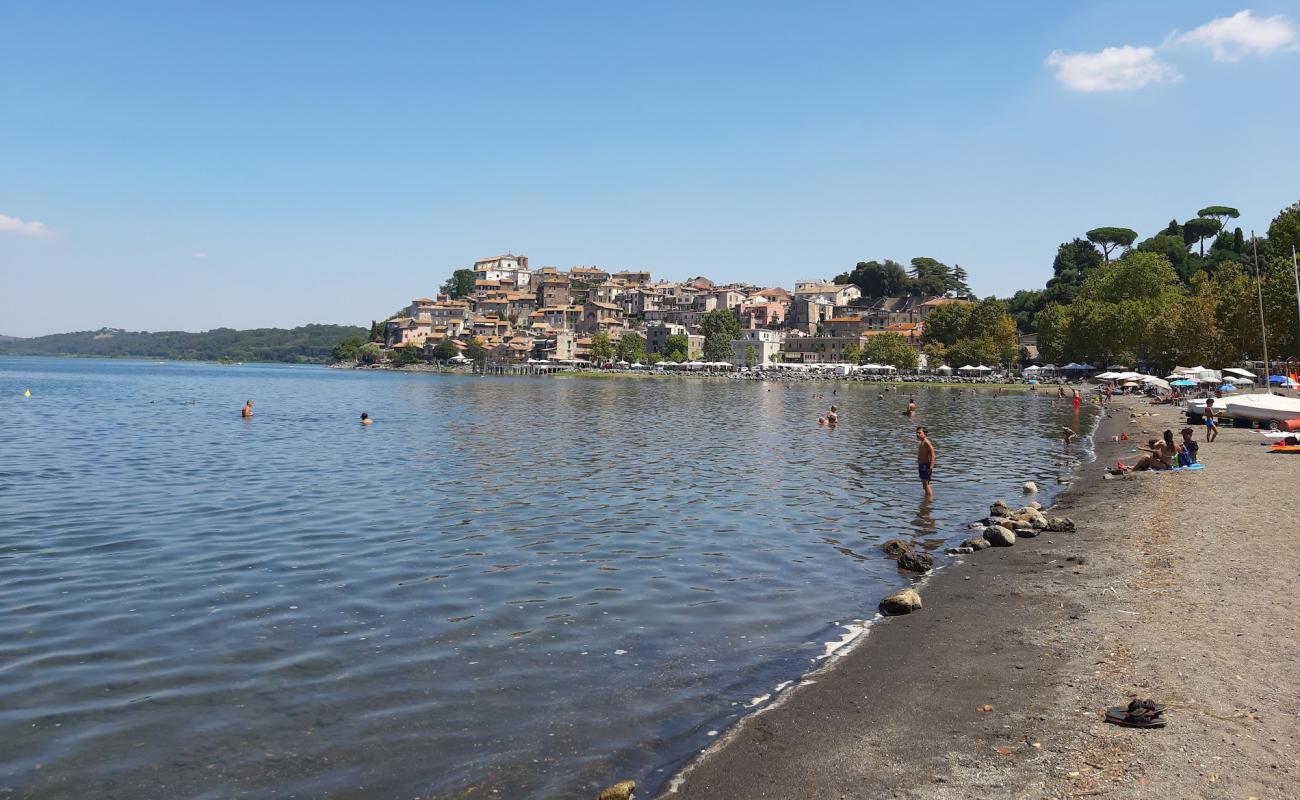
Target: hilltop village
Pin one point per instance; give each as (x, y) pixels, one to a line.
(504, 312)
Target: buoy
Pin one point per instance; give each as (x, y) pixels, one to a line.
(27, 393)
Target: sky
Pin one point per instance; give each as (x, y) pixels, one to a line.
(190, 165)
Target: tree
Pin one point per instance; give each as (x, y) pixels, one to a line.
(720, 328)
(1284, 232)
(369, 353)
(475, 351)
(677, 348)
(1074, 261)
(407, 355)
(1219, 213)
(1238, 242)
(877, 279)
(346, 350)
(930, 277)
(1173, 248)
(890, 348)
(1109, 238)
(460, 284)
(751, 356)
(602, 349)
(445, 349)
(631, 347)
(959, 288)
(936, 353)
(1023, 306)
(852, 353)
(1200, 229)
(947, 323)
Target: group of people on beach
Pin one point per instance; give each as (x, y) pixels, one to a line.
(1165, 453)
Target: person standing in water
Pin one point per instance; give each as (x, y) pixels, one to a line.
(365, 419)
(911, 406)
(1077, 399)
(248, 410)
(832, 417)
(924, 458)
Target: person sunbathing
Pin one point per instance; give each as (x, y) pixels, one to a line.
(1157, 458)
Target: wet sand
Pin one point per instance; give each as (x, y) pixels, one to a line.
(1177, 586)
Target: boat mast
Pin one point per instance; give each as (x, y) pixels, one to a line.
(1263, 334)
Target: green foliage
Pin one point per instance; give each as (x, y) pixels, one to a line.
(852, 353)
(1175, 250)
(1220, 213)
(677, 348)
(878, 279)
(1023, 306)
(1200, 229)
(406, 355)
(1284, 232)
(370, 353)
(890, 348)
(460, 284)
(346, 349)
(1110, 238)
(602, 349)
(751, 356)
(930, 277)
(475, 351)
(720, 327)
(977, 333)
(1073, 263)
(445, 349)
(309, 344)
(631, 348)
(936, 353)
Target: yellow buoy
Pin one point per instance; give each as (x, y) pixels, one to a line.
(27, 393)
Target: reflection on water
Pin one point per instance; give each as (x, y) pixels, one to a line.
(524, 585)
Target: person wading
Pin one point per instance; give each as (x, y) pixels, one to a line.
(925, 459)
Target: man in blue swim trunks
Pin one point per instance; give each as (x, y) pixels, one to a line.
(1211, 421)
(924, 458)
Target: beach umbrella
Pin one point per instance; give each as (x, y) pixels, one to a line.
(1243, 373)
(1157, 382)
(1106, 376)
(1240, 381)
(944, 368)
(1227, 387)
(1073, 366)
(1283, 381)
(621, 363)
(1182, 382)
(1119, 367)
(983, 368)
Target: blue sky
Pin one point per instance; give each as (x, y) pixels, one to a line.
(188, 165)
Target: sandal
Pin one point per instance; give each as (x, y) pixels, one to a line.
(1137, 714)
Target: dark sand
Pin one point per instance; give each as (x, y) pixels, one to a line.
(1177, 586)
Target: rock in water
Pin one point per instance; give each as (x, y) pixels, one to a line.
(896, 548)
(916, 562)
(999, 509)
(976, 543)
(619, 791)
(999, 536)
(1030, 487)
(904, 602)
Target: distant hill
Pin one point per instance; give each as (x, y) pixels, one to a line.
(304, 345)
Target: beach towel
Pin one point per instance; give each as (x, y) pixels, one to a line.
(1184, 469)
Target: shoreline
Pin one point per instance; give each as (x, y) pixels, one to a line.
(1024, 630)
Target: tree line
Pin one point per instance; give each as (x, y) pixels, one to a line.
(308, 344)
(1189, 293)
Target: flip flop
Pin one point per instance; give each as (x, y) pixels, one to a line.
(1148, 705)
(1145, 718)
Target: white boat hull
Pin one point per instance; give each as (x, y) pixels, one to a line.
(1263, 408)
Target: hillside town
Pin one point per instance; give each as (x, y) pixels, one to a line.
(514, 314)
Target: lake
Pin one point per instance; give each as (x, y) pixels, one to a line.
(536, 586)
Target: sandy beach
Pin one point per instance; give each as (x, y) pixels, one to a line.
(1176, 586)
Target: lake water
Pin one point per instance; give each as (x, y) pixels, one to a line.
(530, 585)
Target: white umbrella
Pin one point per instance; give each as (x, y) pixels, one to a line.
(1106, 376)
(621, 363)
(1032, 369)
(983, 368)
(1240, 381)
(968, 366)
(637, 365)
(1154, 381)
(943, 368)
(1243, 373)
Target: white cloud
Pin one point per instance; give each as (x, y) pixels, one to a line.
(202, 254)
(37, 230)
(1243, 34)
(1114, 69)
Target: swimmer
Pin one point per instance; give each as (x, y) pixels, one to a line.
(248, 410)
(880, 396)
(1067, 434)
(365, 419)
(821, 421)
(911, 406)
(832, 417)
